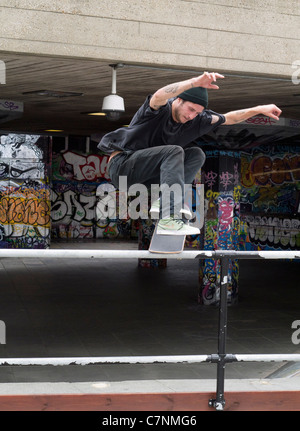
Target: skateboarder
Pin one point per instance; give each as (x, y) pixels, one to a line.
(158, 146)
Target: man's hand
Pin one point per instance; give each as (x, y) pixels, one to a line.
(161, 96)
(271, 111)
(206, 80)
(235, 117)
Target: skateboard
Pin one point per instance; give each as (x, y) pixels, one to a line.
(175, 243)
(166, 243)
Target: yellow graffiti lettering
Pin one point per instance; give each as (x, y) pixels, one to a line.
(246, 176)
(15, 210)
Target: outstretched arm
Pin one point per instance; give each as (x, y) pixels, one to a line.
(235, 117)
(161, 96)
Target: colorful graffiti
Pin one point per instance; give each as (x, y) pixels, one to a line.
(76, 178)
(224, 178)
(222, 222)
(270, 178)
(221, 233)
(252, 202)
(266, 170)
(28, 211)
(272, 232)
(78, 167)
(24, 192)
(74, 213)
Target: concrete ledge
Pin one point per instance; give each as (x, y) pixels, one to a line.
(149, 386)
(156, 396)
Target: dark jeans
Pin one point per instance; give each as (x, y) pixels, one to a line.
(163, 165)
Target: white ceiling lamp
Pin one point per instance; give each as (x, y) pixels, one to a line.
(113, 105)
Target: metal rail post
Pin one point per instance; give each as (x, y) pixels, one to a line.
(220, 359)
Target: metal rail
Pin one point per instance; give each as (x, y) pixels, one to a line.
(145, 254)
(221, 358)
(171, 359)
(189, 359)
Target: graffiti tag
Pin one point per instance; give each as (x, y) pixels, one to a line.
(25, 211)
(88, 168)
(274, 231)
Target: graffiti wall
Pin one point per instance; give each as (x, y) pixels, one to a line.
(24, 191)
(76, 177)
(252, 202)
(221, 178)
(270, 216)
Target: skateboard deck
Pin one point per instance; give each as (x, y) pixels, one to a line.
(166, 243)
(175, 243)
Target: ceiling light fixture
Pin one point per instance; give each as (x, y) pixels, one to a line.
(113, 105)
(100, 114)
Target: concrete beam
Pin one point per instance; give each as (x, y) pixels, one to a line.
(257, 37)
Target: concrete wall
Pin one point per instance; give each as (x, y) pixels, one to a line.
(255, 36)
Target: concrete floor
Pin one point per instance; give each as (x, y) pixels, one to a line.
(114, 308)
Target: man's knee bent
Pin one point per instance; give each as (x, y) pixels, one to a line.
(198, 154)
(170, 152)
(174, 149)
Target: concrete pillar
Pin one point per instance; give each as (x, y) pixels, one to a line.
(25, 192)
(221, 176)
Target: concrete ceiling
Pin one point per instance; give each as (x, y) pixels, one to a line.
(27, 73)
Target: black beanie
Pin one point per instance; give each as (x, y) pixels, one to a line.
(196, 95)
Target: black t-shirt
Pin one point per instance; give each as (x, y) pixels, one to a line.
(152, 128)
